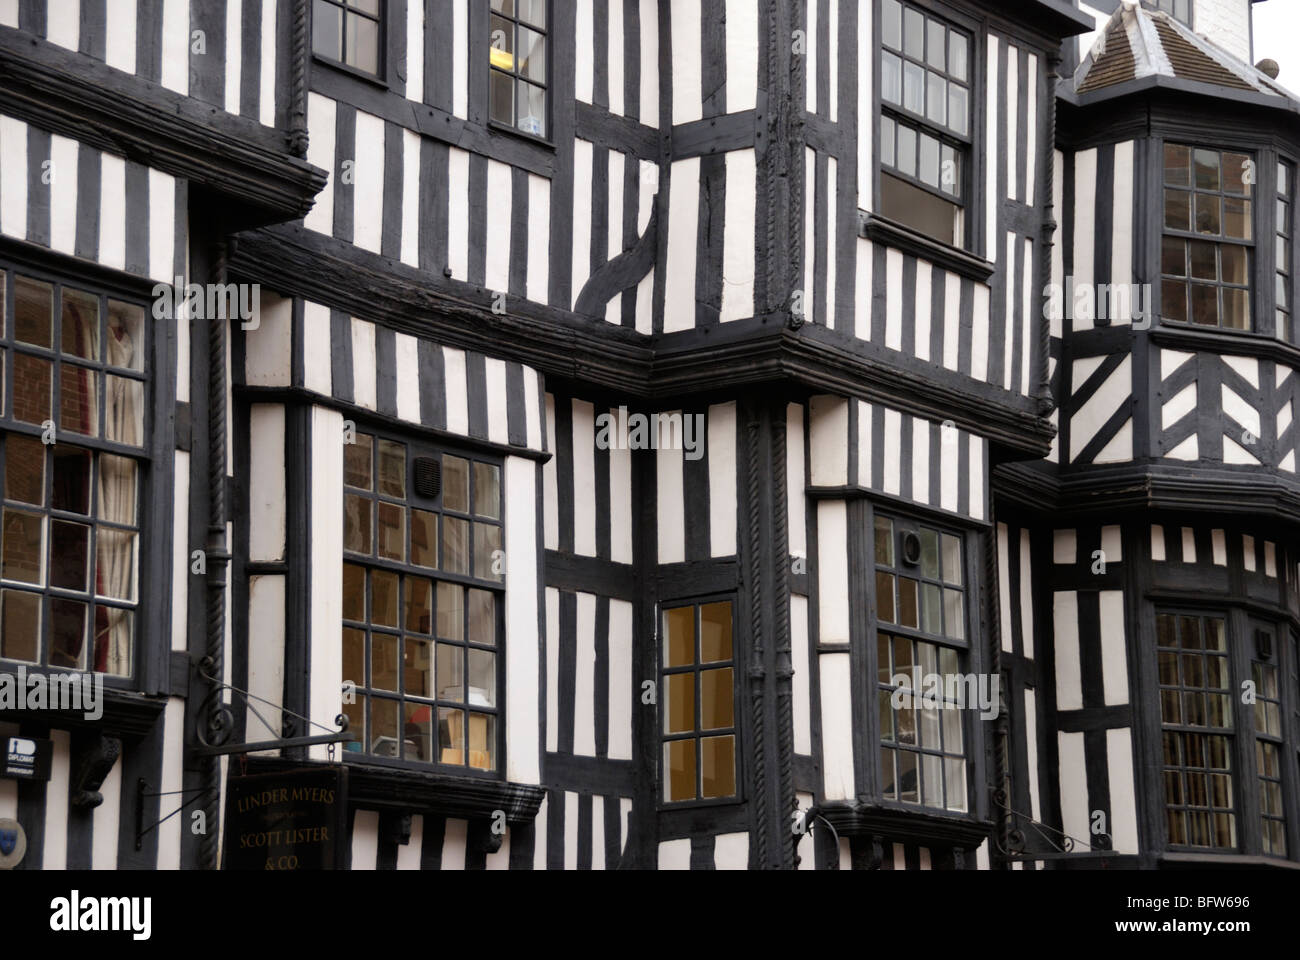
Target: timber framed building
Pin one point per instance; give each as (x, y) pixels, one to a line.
(967, 325)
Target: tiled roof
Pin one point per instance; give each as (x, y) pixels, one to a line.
(1137, 42)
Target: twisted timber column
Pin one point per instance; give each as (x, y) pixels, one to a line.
(218, 558)
(757, 668)
(1046, 196)
(298, 81)
(784, 653)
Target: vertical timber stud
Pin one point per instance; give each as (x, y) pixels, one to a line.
(1001, 734)
(769, 673)
(214, 715)
(298, 76)
(1046, 191)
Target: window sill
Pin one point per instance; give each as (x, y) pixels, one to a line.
(407, 790)
(496, 126)
(373, 79)
(873, 818)
(1248, 343)
(880, 229)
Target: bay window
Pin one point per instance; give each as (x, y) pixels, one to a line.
(349, 33)
(422, 592)
(72, 460)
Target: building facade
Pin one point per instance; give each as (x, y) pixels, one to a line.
(818, 434)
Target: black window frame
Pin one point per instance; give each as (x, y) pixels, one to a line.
(155, 466)
(969, 659)
(1171, 7)
(416, 446)
(736, 730)
(969, 199)
(1256, 301)
(547, 86)
(1243, 628)
(1284, 266)
(384, 60)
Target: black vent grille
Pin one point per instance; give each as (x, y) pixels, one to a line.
(428, 476)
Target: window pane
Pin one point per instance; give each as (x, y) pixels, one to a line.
(450, 673)
(124, 410)
(487, 552)
(1204, 264)
(1206, 164)
(907, 778)
(954, 614)
(419, 605)
(679, 637)
(935, 44)
(424, 539)
(1236, 218)
(1173, 301)
(929, 167)
(482, 617)
(33, 312)
(950, 171)
(929, 553)
(33, 380)
(24, 469)
(887, 141)
(362, 43)
(1173, 257)
(1178, 165)
(327, 30)
(715, 632)
(957, 55)
(392, 469)
(115, 553)
(891, 78)
(936, 98)
(892, 23)
(1234, 263)
(482, 741)
(455, 484)
(68, 634)
(1208, 214)
(487, 490)
(718, 766)
(907, 602)
(125, 345)
(69, 555)
(357, 462)
(1205, 304)
(455, 545)
(906, 151)
(884, 530)
(532, 55)
(1178, 210)
(482, 678)
(20, 626)
(383, 598)
(717, 701)
(1236, 309)
(354, 593)
(1235, 167)
(79, 400)
(679, 703)
(80, 324)
(951, 559)
(383, 662)
(931, 619)
(958, 109)
(451, 735)
(679, 770)
(955, 778)
(502, 46)
(117, 489)
(913, 33)
(21, 547)
(357, 524)
(451, 611)
(392, 531)
(417, 731)
(913, 87)
(932, 781)
(885, 597)
(532, 108)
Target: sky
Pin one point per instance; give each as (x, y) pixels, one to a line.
(1277, 37)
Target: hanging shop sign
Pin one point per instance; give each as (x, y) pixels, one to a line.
(294, 820)
(25, 758)
(13, 844)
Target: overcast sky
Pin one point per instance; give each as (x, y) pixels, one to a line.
(1277, 37)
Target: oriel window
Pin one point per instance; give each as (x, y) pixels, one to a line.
(349, 32)
(698, 702)
(72, 458)
(422, 590)
(1208, 246)
(926, 72)
(517, 65)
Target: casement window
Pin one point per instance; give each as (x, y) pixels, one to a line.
(1285, 224)
(698, 680)
(1178, 9)
(925, 133)
(350, 33)
(1208, 247)
(422, 603)
(921, 612)
(73, 459)
(1197, 731)
(1269, 751)
(517, 65)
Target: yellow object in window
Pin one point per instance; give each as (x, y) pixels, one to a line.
(502, 59)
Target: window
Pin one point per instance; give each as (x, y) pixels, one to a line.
(920, 631)
(1208, 243)
(349, 32)
(1282, 252)
(517, 65)
(1269, 750)
(925, 121)
(422, 595)
(1178, 9)
(71, 373)
(698, 684)
(1196, 722)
